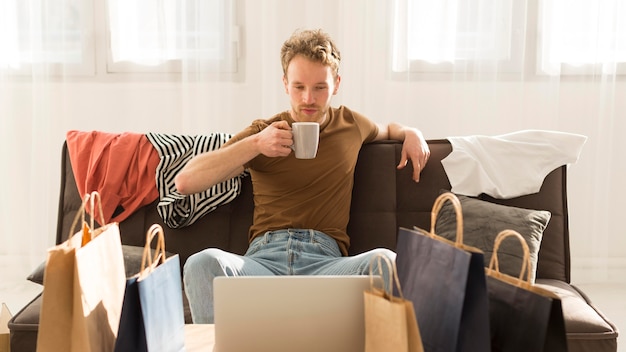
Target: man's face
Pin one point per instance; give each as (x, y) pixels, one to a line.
(310, 86)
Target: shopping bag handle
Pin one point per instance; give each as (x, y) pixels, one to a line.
(80, 215)
(92, 209)
(393, 275)
(494, 271)
(439, 202)
(437, 206)
(88, 231)
(159, 253)
(494, 264)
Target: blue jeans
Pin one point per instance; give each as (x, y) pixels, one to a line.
(282, 252)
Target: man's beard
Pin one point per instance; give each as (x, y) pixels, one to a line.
(318, 116)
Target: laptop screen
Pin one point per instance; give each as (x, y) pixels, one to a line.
(290, 313)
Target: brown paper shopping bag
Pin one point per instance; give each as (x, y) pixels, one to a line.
(523, 317)
(5, 316)
(390, 323)
(83, 288)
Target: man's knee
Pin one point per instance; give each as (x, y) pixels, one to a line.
(377, 258)
(206, 264)
(386, 252)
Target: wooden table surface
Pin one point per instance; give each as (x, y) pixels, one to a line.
(199, 337)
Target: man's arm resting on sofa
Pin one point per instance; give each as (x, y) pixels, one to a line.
(414, 146)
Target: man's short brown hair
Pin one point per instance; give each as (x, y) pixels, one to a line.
(315, 45)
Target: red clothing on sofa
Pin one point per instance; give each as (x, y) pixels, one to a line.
(120, 166)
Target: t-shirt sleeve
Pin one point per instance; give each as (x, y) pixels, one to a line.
(255, 127)
(367, 127)
(248, 131)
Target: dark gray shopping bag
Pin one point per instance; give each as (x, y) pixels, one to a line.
(152, 316)
(523, 317)
(446, 282)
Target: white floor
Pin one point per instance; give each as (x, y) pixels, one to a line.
(15, 290)
(610, 298)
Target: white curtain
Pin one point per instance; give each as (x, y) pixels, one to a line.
(592, 34)
(494, 66)
(35, 37)
(483, 67)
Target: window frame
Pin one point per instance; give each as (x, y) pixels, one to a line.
(85, 68)
(514, 64)
(526, 53)
(568, 68)
(229, 66)
(96, 54)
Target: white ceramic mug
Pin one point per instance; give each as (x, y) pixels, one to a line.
(306, 137)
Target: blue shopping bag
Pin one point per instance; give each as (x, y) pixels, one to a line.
(152, 317)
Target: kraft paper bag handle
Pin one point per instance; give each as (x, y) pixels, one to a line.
(448, 196)
(80, 215)
(88, 230)
(437, 206)
(393, 276)
(85, 229)
(95, 195)
(456, 203)
(494, 267)
(159, 253)
(91, 232)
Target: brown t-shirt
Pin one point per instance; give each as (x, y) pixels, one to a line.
(309, 193)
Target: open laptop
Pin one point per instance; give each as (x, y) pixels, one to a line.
(290, 313)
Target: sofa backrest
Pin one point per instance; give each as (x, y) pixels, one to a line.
(383, 199)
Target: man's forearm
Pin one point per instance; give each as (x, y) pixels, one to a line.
(398, 132)
(210, 168)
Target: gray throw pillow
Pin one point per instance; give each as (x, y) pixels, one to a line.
(132, 263)
(482, 221)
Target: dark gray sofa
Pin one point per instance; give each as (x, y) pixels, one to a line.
(383, 200)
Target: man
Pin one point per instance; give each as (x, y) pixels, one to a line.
(301, 206)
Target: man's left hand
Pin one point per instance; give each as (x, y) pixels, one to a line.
(415, 149)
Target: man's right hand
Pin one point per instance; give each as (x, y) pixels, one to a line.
(275, 140)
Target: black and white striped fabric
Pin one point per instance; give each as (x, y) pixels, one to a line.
(175, 151)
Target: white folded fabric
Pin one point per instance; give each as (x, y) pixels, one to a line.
(508, 165)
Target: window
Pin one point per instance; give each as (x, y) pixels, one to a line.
(53, 33)
(161, 36)
(567, 36)
(450, 35)
(59, 36)
(582, 36)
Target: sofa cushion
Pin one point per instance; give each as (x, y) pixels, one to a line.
(554, 257)
(587, 328)
(482, 221)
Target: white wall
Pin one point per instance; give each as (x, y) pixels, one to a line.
(440, 108)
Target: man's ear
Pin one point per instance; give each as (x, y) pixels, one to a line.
(285, 83)
(337, 81)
